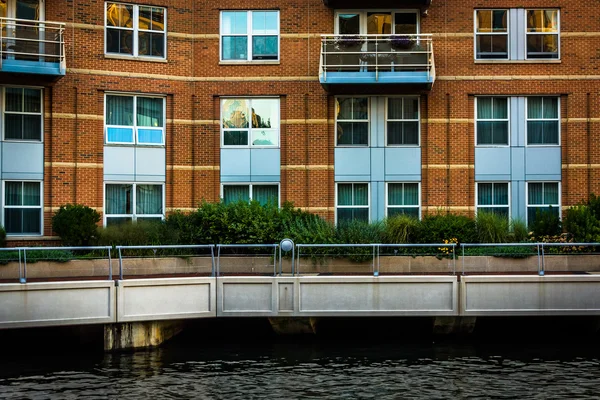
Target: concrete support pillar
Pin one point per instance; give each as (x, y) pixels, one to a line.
(294, 325)
(139, 335)
(445, 326)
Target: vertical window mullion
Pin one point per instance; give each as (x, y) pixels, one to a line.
(250, 36)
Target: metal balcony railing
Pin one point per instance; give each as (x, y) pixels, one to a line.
(28, 40)
(377, 53)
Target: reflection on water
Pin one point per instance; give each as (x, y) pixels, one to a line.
(309, 370)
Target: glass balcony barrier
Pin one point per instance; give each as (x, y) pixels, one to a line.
(32, 47)
(377, 59)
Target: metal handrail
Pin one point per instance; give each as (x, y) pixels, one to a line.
(11, 27)
(24, 250)
(376, 251)
(161, 247)
(274, 246)
(419, 44)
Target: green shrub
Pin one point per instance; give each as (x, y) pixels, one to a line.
(310, 229)
(401, 229)
(2, 236)
(582, 224)
(491, 227)
(518, 231)
(359, 232)
(76, 225)
(36, 255)
(546, 223)
(140, 233)
(437, 228)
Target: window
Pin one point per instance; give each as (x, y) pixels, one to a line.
(517, 34)
(250, 122)
(263, 193)
(542, 34)
(249, 35)
(491, 34)
(352, 121)
(542, 121)
(403, 121)
(542, 197)
(352, 202)
(493, 197)
(23, 208)
(492, 121)
(400, 22)
(135, 120)
(22, 114)
(137, 31)
(133, 201)
(403, 198)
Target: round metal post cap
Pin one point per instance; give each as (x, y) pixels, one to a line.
(286, 244)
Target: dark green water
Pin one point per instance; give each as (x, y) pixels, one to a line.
(239, 365)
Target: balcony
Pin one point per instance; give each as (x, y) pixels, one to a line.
(32, 47)
(355, 4)
(376, 63)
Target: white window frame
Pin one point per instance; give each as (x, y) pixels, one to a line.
(40, 207)
(557, 33)
(40, 114)
(558, 206)
(363, 17)
(508, 118)
(507, 33)
(516, 35)
(368, 121)
(134, 217)
(250, 187)
(368, 206)
(418, 120)
(388, 206)
(478, 206)
(135, 32)
(249, 35)
(250, 128)
(527, 119)
(135, 127)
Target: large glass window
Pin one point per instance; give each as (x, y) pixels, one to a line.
(352, 202)
(493, 197)
(492, 121)
(403, 121)
(543, 121)
(491, 34)
(403, 198)
(263, 193)
(352, 121)
(542, 197)
(22, 208)
(250, 122)
(22, 114)
(135, 30)
(135, 120)
(249, 35)
(133, 201)
(517, 34)
(542, 34)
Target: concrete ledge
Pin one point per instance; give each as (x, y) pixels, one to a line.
(162, 299)
(57, 303)
(514, 295)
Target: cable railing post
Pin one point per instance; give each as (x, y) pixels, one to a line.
(453, 258)
(275, 259)
(212, 260)
(24, 265)
(542, 265)
(218, 260)
(463, 258)
(110, 269)
(120, 264)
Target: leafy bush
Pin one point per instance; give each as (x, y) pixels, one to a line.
(137, 234)
(359, 232)
(437, 228)
(401, 229)
(76, 225)
(546, 223)
(518, 231)
(2, 236)
(36, 255)
(581, 222)
(310, 229)
(491, 227)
